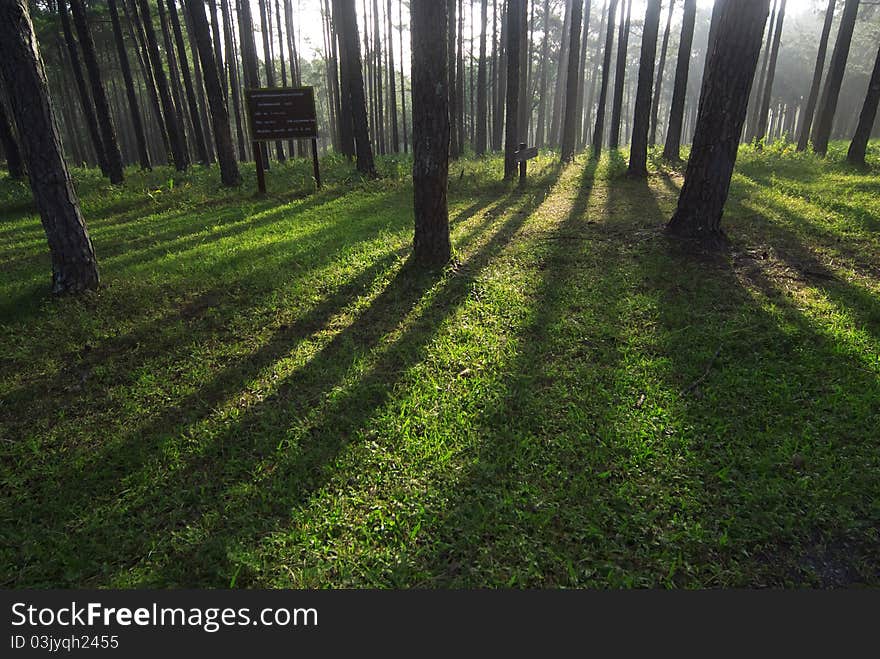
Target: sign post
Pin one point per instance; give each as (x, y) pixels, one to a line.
(282, 113)
(522, 156)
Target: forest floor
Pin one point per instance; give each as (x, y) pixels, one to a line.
(264, 394)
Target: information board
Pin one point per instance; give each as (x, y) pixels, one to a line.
(282, 113)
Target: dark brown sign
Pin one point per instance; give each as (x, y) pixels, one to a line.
(525, 154)
(282, 113)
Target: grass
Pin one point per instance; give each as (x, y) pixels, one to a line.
(266, 394)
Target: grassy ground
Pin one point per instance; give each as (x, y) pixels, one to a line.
(265, 394)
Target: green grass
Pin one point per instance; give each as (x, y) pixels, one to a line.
(265, 393)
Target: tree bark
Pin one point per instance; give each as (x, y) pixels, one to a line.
(500, 84)
(74, 266)
(767, 91)
(540, 127)
(825, 119)
(402, 80)
(569, 119)
(658, 85)
(603, 85)
(672, 148)
(177, 92)
(482, 107)
(581, 77)
(810, 109)
(431, 244)
(232, 63)
(638, 153)
(859, 144)
(511, 135)
(723, 105)
(555, 136)
(619, 78)
(14, 164)
(588, 102)
(392, 86)
(229, 173)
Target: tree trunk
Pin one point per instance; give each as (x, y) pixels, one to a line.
(859, 144)
(229, 174)
(174, 73)
(392, 86)
(723, 104)
(619, 78)
(269, 65)
(102, 107)
(751, 126)
(431, 245)
(767, 91)
(825, 119)
(74, 266)
(14, 163)
(810, 109)
(454, 137)
(555, 136)
(172, 123)
(345, 17)
(501, 84)
(218, 47)
(672, 148)
(541, 128)
(603, 85)
(638, 153)
(136, 122)
(569, 119)
(511, 134)
(588, 102)
(482, 108)
(581, 77)
(199, 84)
(658, 85)
(402, 80)
(232, 63)
(346, 117)
(459, 82)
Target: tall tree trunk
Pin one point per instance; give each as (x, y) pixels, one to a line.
(859, 144)
(133, 108)
(282, 61)
(229, 174)
(250, 67)
(767, 91)
(392, 86)
(174, 73)
(619, 77)
(672, 148)
(523, 112)
(454, 137)
(74, 266)
(555, 136)
(431, 244)
(806, 119)
(723, 104)
(581, 77)
(102, 107)
(511, 136)
(658, 85)
(501, 84)
(836, 69)
(603, 85)
(638, 153)
(218, 47)
(346, 116)
(541, 128)
(14, 164)
(91, 117)
(172, 119)
(751, 124)
(402, 80)
(570, 118)
(199, 84)
(232, 63)
(345, 17)
(377, 69)
(588, 112)
(482, 108)
(459, 81)
(269, 64)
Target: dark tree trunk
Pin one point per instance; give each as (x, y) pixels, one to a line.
(89, 114)
(859, 144)
(723, 104)
(569, 120)
(717, 8)
(581, 77)
(346, 20)
(346, 116)
(74, 266)
(454, 137)
(500, 84)
(173, 72)
(431, 245)
(268, 64)
(459, 82)
(232, 63)
(523, 107)
(619, 78)
(767, 91)
(588, 111)
(136, 122)
(810, 109)
(229, 174)
(541, 128)
(218, 48)
(482, 127)
(402, 80)
(172, 123)
(658, 85)
(836, 69)
(751, 125)
(392, 86)
(102, 107)
(603, 85)
(282, 61)
(672, 148)
(14, 164)
(250, 68)
(638, 153)
(377, 69)
(199, 84)
(511, 134)
(555, 135)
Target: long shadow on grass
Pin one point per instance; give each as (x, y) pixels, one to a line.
(119, 529)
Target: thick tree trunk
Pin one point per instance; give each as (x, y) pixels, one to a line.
(511, 134)
(431, 245)
(346, 116)
(603, 85)
(199, 84)
(658, 84)
(102, 107)
(482, 108)
(229, 174)
(172, 123)
(14, 164)
(619, 77)
(136, 122)
(859, 144)
(723, 104)
(767, 91)
(672, 148)
(806, 118)
(570, 119)
(74, 266)
(836, 69)
(638, 153)
(346, 19)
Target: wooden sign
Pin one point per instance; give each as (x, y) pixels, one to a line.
(525, 154)
(282, 113)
